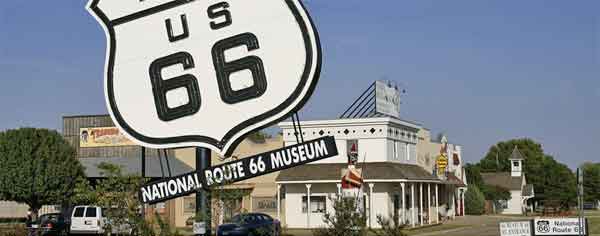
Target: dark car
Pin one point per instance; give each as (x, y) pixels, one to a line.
(52, 224)
(252, 224)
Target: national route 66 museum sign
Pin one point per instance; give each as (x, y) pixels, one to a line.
(182, 73)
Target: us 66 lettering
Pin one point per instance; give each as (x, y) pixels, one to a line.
(257, 165)
(220, 18)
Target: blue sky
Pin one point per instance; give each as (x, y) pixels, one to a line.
(480, 71)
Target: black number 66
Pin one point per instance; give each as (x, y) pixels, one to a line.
(223, 69)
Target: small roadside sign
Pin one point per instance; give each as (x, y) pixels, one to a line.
(517, 228)
(199, 227)
(558, 226)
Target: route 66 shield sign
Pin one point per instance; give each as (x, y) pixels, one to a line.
(205, 73)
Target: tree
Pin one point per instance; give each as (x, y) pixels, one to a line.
(474, 201)
(37, 167)
(559, 183)
(345, 220)
(551, 180)
(473, 172)
(591, 182)
(494, 193)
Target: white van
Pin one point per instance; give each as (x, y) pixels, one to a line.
(91, 220)
(86, 220)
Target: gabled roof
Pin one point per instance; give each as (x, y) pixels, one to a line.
(516, 154)
(370, 171)
(133, 165)
(502, 179)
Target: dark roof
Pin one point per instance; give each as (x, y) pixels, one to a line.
(376, 170)
(133, 165)
(516, 154)
(453, 180)
(502, 179)
(528, 191)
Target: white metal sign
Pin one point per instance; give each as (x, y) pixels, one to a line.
(199, 227)
(387, 99)
(558, 226)
(518, 228)
(205, 73)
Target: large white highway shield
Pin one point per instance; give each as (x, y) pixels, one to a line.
(205, 73)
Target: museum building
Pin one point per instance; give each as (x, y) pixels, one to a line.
(399, 179)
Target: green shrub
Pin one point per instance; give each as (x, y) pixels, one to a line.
(345, 220)
(474, 201)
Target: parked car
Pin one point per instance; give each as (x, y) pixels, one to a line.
(252, 224)
(53, 224)
(91, 220)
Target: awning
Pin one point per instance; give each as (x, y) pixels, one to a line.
(453, 180)
(372, 172)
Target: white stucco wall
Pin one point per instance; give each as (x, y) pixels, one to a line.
(514, 204)
(382, 203)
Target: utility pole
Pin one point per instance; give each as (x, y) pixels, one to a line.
(203, 199)
(580, 200)
(497, 161)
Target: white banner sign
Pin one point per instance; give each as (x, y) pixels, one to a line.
(519, 228)
(558, 226)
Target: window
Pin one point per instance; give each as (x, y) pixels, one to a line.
(317, 204)
(515, 163)
(408, 151)
(503, 204)
(78, 212)
(395, 150)
(90, 212)
(189, 204)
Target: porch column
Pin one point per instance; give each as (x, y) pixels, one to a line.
(462, 205)
(371, 185)
(437, 205)
(279, 202)
(308, 210)
(429, 203)
(453, 201)
(412, 209)
(421, 203)
(339, 187)
(403, 216)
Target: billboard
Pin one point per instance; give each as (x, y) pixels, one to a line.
(102, 137)
(387, 99)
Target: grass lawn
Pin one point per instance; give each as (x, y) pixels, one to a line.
(594, 224)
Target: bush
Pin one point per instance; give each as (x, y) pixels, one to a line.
(389, 227)
(344, 221)
(474, 201)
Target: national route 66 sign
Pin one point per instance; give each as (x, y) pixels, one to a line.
(204, 73)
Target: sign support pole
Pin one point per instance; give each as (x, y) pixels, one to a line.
(203, 199)
(143, 156)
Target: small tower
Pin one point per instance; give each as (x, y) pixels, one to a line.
(516, 163)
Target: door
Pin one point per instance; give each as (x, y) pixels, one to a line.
(91, 219)
(77, 220)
